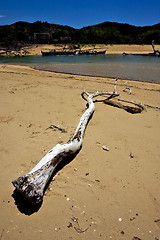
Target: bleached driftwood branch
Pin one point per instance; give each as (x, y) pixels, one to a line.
(115, 86)
(127, 88)
(33, 184)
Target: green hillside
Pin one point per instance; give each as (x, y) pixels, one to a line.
(104, 33)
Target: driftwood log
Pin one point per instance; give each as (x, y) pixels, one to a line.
(33, 184)
(137, 109)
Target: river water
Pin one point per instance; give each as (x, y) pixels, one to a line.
(129, 67)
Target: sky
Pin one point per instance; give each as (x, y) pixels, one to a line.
(82, 13)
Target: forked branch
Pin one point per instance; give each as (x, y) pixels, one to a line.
(33, 184)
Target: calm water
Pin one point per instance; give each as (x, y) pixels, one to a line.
(143, 68)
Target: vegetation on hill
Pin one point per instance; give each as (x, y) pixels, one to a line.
(103, 33)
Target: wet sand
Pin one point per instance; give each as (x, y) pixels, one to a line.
(100, 194)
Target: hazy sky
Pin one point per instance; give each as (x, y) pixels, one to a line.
(82, 13)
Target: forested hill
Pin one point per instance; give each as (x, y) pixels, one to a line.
(106, 33)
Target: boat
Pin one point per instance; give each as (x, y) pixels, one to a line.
(85, 52)
(100, 52)
(55, 53)
(90, 52)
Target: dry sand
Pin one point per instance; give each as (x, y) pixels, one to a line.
(100, 194)
(110, 48)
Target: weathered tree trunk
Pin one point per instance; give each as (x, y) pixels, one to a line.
(33, 184)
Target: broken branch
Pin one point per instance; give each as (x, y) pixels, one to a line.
(129, 109)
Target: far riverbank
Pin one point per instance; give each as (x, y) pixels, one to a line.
(36, 49)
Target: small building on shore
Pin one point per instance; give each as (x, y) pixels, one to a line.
(42, 36)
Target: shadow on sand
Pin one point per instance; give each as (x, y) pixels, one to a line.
(26, 207)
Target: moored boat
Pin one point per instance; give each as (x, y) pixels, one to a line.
(91, 52)
(55, 53)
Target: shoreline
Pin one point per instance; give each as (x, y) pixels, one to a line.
(94, 76)
(149, 75)
(77, 74)
(112, 79)
(35, 50)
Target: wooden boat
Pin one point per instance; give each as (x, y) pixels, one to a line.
(2, 52)
(85, 52)
(100, 52)
(89, 52)
(55, 53)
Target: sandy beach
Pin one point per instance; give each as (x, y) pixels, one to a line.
(100, 194)
(36, 49)
(109, 48)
